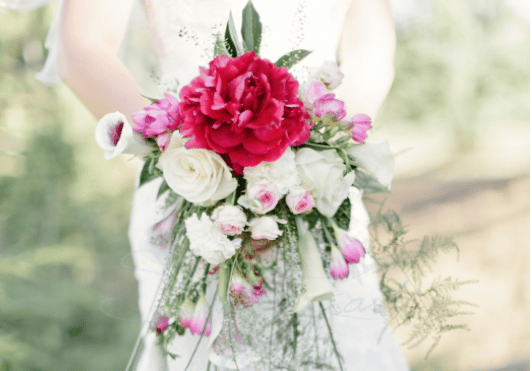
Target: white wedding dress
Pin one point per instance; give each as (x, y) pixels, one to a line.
(183, 31)
(183, 34)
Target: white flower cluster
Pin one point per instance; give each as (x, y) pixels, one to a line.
(208, 242)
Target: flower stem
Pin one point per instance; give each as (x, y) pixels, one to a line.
(331, 335)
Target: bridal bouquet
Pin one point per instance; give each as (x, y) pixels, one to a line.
(262, 174)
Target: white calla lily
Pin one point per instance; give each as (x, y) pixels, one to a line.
(315, 282)
(115, 135)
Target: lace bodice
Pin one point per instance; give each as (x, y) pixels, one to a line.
(184, 30)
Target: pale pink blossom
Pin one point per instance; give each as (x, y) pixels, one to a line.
(265, 228)
(163, 140)
(314, 90)
(339, 268)
(360, 124)
(162, 324)
(229, 219)
(299, 200)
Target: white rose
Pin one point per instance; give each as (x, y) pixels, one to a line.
(282, 172)
(265, 228)
(229, 219)
(115, 135)
(208, 242)
(322, 173)
(199, 175)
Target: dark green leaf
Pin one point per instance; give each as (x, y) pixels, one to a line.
(290, 59)
(368, 183)
(163, 188)
(342, 218)
(231, 39)
(149, 171)
(251, 28)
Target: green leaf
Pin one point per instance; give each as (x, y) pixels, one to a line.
(318, 147)
(231, 38)
(368, 183)
(219, 47)
(290, 59)
(149, 171)
(251, 28)
(342, 218)
(224, 279)
(163, 188)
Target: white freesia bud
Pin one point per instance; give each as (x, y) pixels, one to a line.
(199, 175)
(115, 135)
(265, 228)
(376, 158)
(329, 73)
(315, 282)
(229, 219)
(322, 173)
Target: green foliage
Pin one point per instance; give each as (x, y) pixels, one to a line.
(427, 312)
(251, 28)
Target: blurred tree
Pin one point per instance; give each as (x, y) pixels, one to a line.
(60, 274)
(464, 67)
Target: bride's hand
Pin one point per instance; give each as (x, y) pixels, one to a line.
(91, 35)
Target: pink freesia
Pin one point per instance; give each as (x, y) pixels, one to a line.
(314, 91)
(162, 324)
(360, 124)
(199, 319)
(352, 249)
(299, 200)
(163, 140)
(339, 268)
(245, 109)
(160, 118)
(326, 105)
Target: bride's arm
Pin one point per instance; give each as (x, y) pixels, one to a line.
(367, 49)
(91, 34)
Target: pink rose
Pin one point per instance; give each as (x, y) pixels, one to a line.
(260, 197)
(229, 219)
(245, 108)
(299, 200)
(159, 118)
(359, 125)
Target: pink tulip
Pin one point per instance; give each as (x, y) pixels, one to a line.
(352, 249)
(339, 268)
(162, 324)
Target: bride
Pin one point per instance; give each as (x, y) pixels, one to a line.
(358, 34)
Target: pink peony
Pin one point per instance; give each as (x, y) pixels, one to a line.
(162, 324)
(339, 268)
(359, 125)
(158, 119)
(245, 108)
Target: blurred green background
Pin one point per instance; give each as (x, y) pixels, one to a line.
(458, 113)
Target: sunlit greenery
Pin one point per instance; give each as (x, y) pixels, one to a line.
(67, 302)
